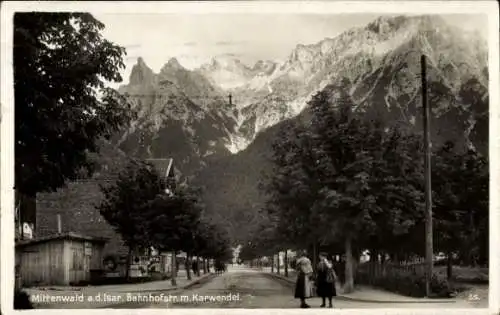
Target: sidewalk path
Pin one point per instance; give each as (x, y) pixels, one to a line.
(366, 294)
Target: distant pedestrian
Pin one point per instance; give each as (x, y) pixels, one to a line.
(342, 270)
(325, 279)
(219, 267)
(304, 286)
(194, 266)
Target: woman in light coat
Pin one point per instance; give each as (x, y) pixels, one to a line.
(304, 285)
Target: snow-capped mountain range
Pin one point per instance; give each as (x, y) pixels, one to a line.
(186, 113)
(229, 73)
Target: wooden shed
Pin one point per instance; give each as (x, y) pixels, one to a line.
(61, 259)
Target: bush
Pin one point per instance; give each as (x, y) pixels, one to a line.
(444, 262)
(81, 283)
(474, 280)
(114, 280)
(156, 275)
(411, 285)
(466, 275)
(22, 301)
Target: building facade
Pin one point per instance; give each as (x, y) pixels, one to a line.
(62, 259)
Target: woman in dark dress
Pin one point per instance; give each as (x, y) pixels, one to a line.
(325, 280)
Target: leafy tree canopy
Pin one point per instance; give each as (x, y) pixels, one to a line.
(62, 106)
(126, 203)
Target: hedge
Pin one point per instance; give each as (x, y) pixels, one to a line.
(412, 285)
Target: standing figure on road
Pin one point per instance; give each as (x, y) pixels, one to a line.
(304, 286)
(341, 270)
(325, 279)
(219, 267)
(194, 266)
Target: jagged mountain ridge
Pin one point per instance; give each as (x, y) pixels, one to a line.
(389, 47)
(180, 115)
(381, 63)
(229, 73)
(358, 54)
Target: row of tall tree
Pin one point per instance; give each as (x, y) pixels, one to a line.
(344, 182)
(146, 216)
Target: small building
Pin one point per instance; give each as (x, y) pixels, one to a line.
(75, 204)
(61, 259)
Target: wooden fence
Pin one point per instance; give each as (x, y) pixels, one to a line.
(370, 271)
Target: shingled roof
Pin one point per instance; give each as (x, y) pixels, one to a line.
(164, 166)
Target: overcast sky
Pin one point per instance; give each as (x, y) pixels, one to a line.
(194, 38)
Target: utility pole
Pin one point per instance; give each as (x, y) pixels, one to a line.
(429, 252)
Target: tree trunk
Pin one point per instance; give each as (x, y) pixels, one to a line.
(272, 263)
(373, 265)
(286, 262)
(198, 273)
(349, 262)
(26, 212)
(373, 255)
(278, 263)
(383, 263)
(315, 257)
(188, 267)
(129, 262)
(174, 268)
(204, 264)
(449, 266)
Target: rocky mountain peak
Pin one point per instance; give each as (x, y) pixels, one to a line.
(227, 62)
(264, 67)
(227, 72)
(171, 71)
(386, 24)
(141, 62)
(141, 74)
(174, 64)
(302, 52)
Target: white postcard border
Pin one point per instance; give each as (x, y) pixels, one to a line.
(490, 8)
